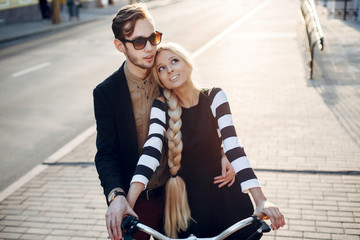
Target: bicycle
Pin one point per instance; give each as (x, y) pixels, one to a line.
(132, 225)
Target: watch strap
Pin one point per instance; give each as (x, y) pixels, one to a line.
(115, 192)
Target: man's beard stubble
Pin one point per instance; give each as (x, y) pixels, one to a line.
(135, 61)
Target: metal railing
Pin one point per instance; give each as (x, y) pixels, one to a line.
(314, 31)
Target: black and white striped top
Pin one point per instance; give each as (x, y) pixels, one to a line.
(233, 149)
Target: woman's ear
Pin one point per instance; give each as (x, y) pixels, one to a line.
(119, 45)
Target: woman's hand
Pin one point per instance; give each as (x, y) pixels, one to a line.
(272, 212)
(269, 209)
(227, 173)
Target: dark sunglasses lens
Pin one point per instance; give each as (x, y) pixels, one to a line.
(155, 38)
(139, 43)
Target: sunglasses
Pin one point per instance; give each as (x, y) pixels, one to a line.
(140, 43)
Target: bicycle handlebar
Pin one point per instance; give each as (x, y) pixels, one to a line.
(132, 225)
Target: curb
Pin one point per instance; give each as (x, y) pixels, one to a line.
(66, 149)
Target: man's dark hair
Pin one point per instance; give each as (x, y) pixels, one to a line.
(124, 22)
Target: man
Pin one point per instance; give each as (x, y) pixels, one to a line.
(122, 106)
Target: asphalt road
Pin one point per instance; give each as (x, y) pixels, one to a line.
(43, 109)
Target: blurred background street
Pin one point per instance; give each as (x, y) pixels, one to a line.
(302, 136)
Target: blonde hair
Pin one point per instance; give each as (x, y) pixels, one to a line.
(177, 50)
(177, 210)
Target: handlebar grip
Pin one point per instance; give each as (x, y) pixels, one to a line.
(129, 224)
(262, 216)
(265, 227)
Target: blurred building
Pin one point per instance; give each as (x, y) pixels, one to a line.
(343, 9)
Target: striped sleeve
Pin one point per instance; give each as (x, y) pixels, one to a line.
(151, 154)
(233, 148)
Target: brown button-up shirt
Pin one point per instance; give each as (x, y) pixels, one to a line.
(143, 92)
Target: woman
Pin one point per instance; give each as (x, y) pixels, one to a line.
(194, 149)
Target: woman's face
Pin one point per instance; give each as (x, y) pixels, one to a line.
(172, 70)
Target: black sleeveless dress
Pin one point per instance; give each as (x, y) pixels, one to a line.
(213, 209)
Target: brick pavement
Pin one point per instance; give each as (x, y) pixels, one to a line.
(285, 122)
(338, 71)
(63, 202)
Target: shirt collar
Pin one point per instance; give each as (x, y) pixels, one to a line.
(130, 77)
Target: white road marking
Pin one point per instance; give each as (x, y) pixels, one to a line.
(53, 158)
(31, 69)
(21, 181)
(71, 145)
(228, 30)
(272, 35)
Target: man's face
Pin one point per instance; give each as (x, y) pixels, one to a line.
(143, 58)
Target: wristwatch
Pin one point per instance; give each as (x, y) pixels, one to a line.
(115, 193)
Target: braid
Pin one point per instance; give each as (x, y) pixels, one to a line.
(177, 211)
(173, 133)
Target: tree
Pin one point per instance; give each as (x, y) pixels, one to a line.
(56, 14)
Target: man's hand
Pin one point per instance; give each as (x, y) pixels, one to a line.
(118, 209)
(227, 173)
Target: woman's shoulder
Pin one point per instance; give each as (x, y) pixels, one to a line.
(211, 92)
(215, 90)
(159, 102)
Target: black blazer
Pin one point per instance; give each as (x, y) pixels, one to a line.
(116, 142)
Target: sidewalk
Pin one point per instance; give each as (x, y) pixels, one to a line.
(11, 32)
(302, 137)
